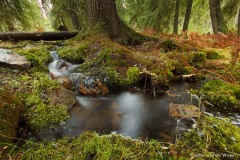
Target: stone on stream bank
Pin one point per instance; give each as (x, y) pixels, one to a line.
(12, 60)
(88, 86)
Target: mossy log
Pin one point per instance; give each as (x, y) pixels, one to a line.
(37, 36)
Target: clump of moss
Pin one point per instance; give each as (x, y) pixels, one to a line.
(44, 116)
(198, 59)
(91, 145)
(74, 54)
(133, 75)
(222, 94)
(168, 45)
(213, 138)
(212, 55)
(36, 55)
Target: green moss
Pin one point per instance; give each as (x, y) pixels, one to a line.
(212, 137)
(99, 147)
(133, 75)
(44, 116)
(74, 54)
(169, 45)
(198, 59)
(37, 55)
(222, 94)
(10, 112)
(212, 55)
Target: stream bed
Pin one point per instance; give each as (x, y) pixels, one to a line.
(131, 114)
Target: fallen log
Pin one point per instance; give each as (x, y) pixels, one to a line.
(37, 36)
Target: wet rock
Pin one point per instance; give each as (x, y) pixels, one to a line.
(62, 97)
(62, 65)
(65, 81)
(88, 86)
(15, 61)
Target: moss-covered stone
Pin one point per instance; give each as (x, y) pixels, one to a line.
(222, 94)
(169, 45)
(212, 139)
(198, 59)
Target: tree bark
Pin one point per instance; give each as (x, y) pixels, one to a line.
(239, 21)
(74, 19)
(222, 27)
(36, 36)
(102, 17)
(187, 15)
(212, 8)
(176, 18)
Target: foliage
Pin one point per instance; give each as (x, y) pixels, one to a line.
(199, 58)
(91, 145)
(133, 75)
(213, 138)
(75, 54)
(43, 115)
(18, 15)
(222, 94)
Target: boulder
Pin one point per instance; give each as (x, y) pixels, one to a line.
(12, 60)
(88, 86)
(63, 97)
(65, 81)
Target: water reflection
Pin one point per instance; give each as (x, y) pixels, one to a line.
(130, 114)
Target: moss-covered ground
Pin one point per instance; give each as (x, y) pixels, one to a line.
(24, 96)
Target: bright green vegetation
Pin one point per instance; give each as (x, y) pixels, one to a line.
(44, 116)
(75, 54)
(222, 94)
(99, 147)
(212, 137)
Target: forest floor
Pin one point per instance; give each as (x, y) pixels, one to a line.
(25, 104)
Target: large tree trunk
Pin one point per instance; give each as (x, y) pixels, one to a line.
(187, 15)
(212, 8)
(222, 27)
(239, 21)
(218, 22)
(176, 18)
(74, 19)
(102, 16)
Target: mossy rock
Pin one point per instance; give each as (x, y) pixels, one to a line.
(74, 54)
(222, 94)
(212, 139)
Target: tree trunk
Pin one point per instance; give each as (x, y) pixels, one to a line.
(187, 15)
(239, 21)
(74, 19)
(222, 27)
(36, 36)
(176, 18)
(212, 8)
(102, 17)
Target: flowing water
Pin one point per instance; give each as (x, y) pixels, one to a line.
(131, 114)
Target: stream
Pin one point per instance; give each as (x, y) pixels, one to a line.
(131, 114)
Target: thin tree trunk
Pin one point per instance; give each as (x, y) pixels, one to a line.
(239, 21)
(212, 8)
(187, 15)
(222, 26)
(176, 18)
